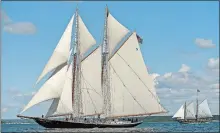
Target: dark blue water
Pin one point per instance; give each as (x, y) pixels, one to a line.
(26, 126)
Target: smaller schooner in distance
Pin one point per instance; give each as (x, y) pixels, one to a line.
(186, 113)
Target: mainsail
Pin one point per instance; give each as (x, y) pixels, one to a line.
(133, 91)
(203, 110)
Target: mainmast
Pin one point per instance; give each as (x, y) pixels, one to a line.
(105, 69)
(77, 97)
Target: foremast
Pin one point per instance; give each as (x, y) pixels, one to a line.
(76, 86)
(105, 77)
(197, 105)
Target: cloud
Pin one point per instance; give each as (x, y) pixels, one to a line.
(174, 88)
(203, 43)
(213, 63)
(184, 68)
(16, 27)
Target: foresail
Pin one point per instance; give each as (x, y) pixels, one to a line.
(61, 52)
(91, 83)
(53, 107)
(179, 113)
(133, 91)
(52, 88)
(203, 110)
(65, 102)
(116, 32)
(190, 113)
(85, 37)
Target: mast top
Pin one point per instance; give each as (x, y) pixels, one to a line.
(77, 8)
(106, 9)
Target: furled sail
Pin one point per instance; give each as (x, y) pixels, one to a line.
(190, 113)
(133, 91)
(179, 113)
(91, 83)
(61, 52)
(52, 88)
(203, 110)
(116, 32)
(85, 37)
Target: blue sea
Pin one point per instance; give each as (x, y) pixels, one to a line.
(30, 126)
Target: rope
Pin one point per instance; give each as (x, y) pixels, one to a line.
(139, 78)
(127, 88)
(89, 93)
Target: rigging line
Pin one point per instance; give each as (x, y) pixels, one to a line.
(91, 86)
(139, 78)
(89, 93)
(92, 101)
(127, 89)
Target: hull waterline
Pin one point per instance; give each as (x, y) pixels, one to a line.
(194, 121)
(49, 123)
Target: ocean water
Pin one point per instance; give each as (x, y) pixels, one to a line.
(29, 126)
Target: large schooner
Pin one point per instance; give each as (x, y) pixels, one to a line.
(186, 113)
(100, 88)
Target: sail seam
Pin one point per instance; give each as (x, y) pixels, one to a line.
(127, 89)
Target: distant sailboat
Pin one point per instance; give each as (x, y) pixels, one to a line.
(96, 89)
(186, 113)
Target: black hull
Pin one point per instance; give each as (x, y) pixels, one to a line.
(48, 123)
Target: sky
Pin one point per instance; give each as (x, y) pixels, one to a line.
(180, 46)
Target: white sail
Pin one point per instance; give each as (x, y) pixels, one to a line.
(52, 88)
(85, 37)
(65, 103)
(190, 113)
(61, 52)
(116, 32)
(53, 107)
(133, 91)
(91, 83)
(203, 110)
(179, 113)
